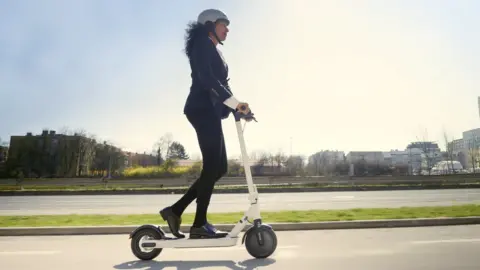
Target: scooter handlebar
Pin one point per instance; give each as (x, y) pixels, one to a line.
(239, 116)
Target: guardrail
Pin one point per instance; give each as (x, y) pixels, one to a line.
(178, 182)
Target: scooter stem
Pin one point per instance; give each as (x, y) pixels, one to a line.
(253, 211)
(252, 190)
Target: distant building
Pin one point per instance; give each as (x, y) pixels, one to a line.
(47, 154)
(369, 157)
(471, 143)
(3, 153)
(431, 154)
(457, 145)
(327, 158)
(187, 162)
(459, 152)
(425, 146)
(471, 138)
(411, 158)
(3, 159)
(142, 160)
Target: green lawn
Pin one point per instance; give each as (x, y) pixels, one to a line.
(229, 218)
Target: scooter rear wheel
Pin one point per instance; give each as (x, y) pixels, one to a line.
(261, 242)
(144, 253)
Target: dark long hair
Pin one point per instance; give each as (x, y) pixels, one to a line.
(193, 32)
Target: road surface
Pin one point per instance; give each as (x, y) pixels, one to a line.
(433, 248)
(136, 204)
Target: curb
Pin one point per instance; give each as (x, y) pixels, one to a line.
(237, 190)
(336, 225)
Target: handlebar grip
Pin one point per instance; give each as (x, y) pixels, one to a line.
(239, 116)
(243, 107)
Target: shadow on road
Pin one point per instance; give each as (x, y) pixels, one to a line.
(188, 265)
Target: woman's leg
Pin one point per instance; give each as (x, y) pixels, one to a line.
(211, 144)
(210, 137)
(180, 206)
(207, 127)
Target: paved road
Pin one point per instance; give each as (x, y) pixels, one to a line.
(434, 248)
(132, 204)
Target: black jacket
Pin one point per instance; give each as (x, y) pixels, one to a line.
(209, 87)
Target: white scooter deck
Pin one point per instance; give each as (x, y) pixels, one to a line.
(230, 240)
(191, 243)
(253, 213)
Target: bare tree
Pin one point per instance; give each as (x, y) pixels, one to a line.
(333, 162)
(473, 152)
(253, 155)
(86, 151)
(280, 159)
(335, 159)
(295, 165)
(449, 150)
(429, 157)
(263, 158)
(428, 152)
(314, 163)
(162, 146)
(322, 162)
(65, 130)
(3, 143)
(3, 151)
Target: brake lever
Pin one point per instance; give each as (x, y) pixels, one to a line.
(251, 117)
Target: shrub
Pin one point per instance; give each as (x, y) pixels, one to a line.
(168, 170)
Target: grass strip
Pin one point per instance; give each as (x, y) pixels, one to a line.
(228, 187)
(229, 218)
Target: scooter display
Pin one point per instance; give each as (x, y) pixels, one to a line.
(148, 241)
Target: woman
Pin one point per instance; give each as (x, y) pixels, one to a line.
(210, 100)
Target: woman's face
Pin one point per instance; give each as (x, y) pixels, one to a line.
(221, 29)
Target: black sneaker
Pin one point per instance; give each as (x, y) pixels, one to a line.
(173, 221)
(207, 231)
(212, 228)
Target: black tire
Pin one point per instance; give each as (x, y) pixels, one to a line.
(151, 234)
(269, 242)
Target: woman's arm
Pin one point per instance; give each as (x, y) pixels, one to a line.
(201, 59)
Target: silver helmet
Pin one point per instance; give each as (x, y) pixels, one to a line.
(212, 15)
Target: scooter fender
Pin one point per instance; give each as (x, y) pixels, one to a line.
(261, 226)
(147, 226)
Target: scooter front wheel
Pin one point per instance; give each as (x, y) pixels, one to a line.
(261, 242)
(145, 253)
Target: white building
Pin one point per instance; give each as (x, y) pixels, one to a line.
(424, 156)
(412, 158)
(370, 157)
(333, 157)
(471, 138)
(326, 158)
(459, 152)
(457, 145)
(471, 144)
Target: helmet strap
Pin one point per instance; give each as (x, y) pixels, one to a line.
(211, 29)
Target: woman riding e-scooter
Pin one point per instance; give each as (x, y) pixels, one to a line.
(209, 101)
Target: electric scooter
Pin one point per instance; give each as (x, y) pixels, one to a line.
(148, 241)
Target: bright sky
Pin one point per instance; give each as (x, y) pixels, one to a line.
(345, 75)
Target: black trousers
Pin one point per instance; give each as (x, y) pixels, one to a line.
(208, 127)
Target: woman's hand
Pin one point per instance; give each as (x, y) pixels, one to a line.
(243, 108)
